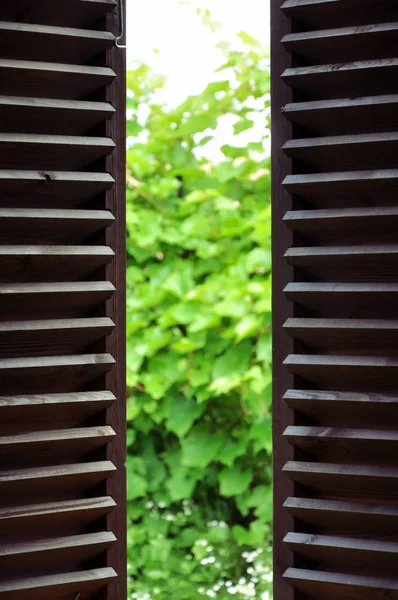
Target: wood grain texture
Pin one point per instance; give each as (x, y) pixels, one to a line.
(376, 40)
(76, 46)
(373, 224)
(344, 297)
(342, 409)
(375, 521)
(44, 300)
(77, 13)
(282, 274)
(45, 374)
(365, 114)
(319, 584)
(54, 226)
(51, 80)
(65, 584)
(351, 481)
(344, 152)
(52, 116)
(116, 343)
(55, 551)
(51, 152)
(62, 122)
(61, 482)
(37, 189)
(317, 14)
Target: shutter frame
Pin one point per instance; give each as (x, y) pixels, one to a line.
(282, 238)
(334, 202)
(62, 302)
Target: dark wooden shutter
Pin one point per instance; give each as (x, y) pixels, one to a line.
(62, 232)
(335, 237)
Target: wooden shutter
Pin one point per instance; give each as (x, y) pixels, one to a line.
(335, 237)
(62, 232)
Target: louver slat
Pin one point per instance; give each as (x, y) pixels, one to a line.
(335, 292)
(354, 518)
(316, 14)
(360, 43)
(63, 585)
(62, 439)
(77, 13)
(60, 517)
(360, 115)
(69, 45)
(329, 586)
(52, 152)
(52, 80)
(51, 226)
(49, 116)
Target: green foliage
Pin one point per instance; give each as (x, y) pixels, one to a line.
(199, 337)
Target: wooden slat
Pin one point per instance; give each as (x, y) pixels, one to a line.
(364, 335)
(36, 300)
(51, 226)
(81, 511)
(41, 484)
(339, 79)
(337, 443)
(332, 13)
(339, 263)
(380, 300)
(49, 116)
(51, 152)
(77, 13)
(54, 551)
(355, 518)
(44, 374)
(376, 555)
(341, 407)
(346, 481)
(341, 189)
(346, 115)
(30, 41)
(52, 336)
(352, 372)
(51, 411)
(60, 586)
(70, 444)
(345, 43)
(328, 586)
(49, 263)
(364, 151)
(52, 80)
(51, 189)
(345, 407)
(377, 224)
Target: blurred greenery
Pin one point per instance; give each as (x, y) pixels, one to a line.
(199, 336)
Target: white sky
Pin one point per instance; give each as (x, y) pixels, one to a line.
(186, 47)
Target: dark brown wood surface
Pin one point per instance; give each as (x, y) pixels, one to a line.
(282, 275)
(335, 126)
(62, 302)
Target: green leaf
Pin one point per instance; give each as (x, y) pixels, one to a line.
(234, 361)
(180, 486)
(264, 348)
(243, 125)
(234, 481)
(254, 537)
(183, 412)
(200, 447)
(247, 327)
(231, 450)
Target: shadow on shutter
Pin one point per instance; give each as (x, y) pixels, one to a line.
(336, 262)
(62, 397)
